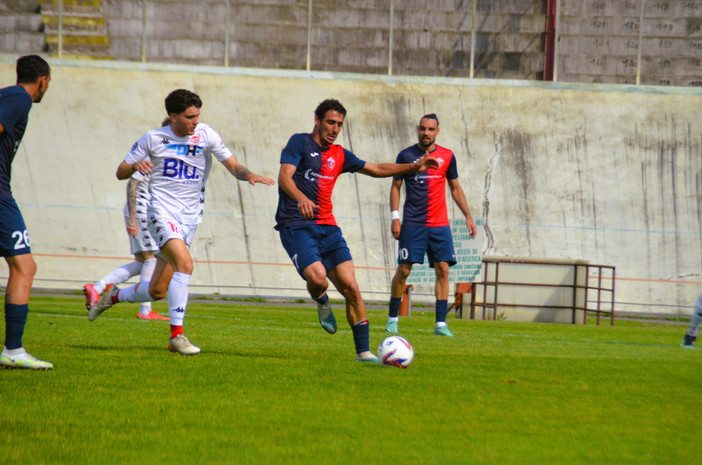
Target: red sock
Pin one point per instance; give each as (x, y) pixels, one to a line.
(176, 331)
(115, 298)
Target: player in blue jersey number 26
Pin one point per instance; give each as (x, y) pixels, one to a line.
(33, 76)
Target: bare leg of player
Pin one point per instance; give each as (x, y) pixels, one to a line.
(344, 279)
(316, 277)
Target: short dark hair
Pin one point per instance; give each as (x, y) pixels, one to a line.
(430, 116)
(329, 104)
(180, 100)
(30, 68)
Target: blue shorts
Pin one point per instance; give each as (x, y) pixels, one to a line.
(14, 238)
(315, 243)
(435, 241)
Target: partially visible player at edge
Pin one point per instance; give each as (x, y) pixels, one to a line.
(178, 158)
(690, 335)
(33, 77)
(309, 167)
(141, 245)
(425, 226)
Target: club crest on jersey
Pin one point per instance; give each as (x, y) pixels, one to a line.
(331, 162)
(195, 139)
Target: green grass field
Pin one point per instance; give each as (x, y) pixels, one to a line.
(272, 387)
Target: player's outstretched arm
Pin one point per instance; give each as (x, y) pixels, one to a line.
(242, 173)
(384, 170)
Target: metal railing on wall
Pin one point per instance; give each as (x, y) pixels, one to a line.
(586, 297)
(640, 38)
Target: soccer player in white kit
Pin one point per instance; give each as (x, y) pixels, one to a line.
(178, 158)
(141, 245)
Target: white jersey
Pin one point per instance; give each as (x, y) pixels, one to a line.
(181, 166)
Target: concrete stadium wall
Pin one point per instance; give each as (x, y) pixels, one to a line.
(609, 174)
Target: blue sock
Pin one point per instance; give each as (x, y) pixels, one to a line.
(441, 310)
(361, 336)
(395, 303)
(322, 300)
(15, 319)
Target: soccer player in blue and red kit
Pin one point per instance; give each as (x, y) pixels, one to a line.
(425, 226)
(309, 167)
(33, 77)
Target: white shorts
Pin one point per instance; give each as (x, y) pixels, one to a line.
(163, 228)
(143, 242)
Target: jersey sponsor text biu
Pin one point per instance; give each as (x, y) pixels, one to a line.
(181, 167)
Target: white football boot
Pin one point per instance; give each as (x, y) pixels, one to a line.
(20, 358)
(182, 345)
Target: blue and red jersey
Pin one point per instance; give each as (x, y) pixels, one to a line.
(15, 104)
(425, 192)
(315, 176)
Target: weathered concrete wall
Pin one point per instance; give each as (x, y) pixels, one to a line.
(610, 174)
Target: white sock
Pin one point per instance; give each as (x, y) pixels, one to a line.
(144, 308)
(393, 319)
(119, 275)
(146, 272)
(178, 297)
(100, 286)
(137, 293)
(440, 324)
(17, 351)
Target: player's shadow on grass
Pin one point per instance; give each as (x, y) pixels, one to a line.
(163, 349)
(638, 344)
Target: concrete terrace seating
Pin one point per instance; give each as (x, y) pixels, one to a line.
(84, 32)
(21, 27)
(599, 42)
(430, 37)
(598, 39)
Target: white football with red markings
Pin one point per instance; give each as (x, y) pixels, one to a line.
(395, 351)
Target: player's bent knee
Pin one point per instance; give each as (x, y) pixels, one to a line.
(315, 279)
(402, 275)
(30, 270)
(318, 282)
(158, 294)
(403, 271)
(185, 268)
(23, 267)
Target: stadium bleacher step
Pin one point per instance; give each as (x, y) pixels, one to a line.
(83, 29)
